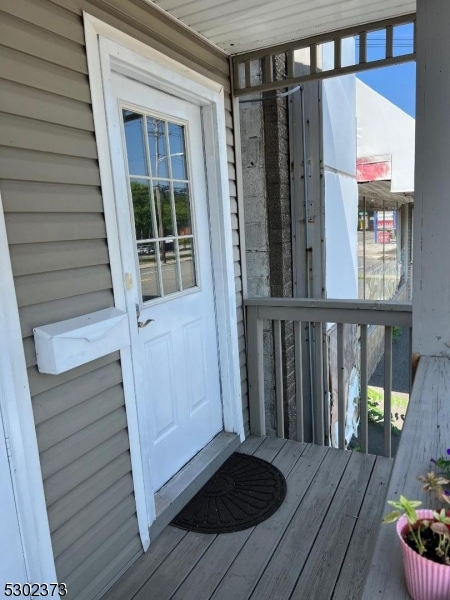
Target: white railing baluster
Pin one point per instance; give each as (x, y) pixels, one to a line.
(411, 374)
(319, 436)
(389, 41)
(363, 47)
(268, 68)
(313, 59)
(364, 416)
(257, 407)
(298, 381)
(337, 53)
(387, 390)
(316, 313)
(341, 387)
(248, 74)
(279, 402)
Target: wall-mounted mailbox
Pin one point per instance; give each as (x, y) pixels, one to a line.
(69, 344)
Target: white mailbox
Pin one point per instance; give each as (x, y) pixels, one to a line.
(69, 344)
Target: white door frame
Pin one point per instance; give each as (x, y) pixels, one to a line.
(20, 430)
(141, 62)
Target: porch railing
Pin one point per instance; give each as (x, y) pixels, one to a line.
(313, 316)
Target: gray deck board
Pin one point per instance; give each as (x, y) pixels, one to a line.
(203, 580)
(135, 578)
(280, 575)
(322, 567)
(318, 536)
(253, 559)
(356, 564)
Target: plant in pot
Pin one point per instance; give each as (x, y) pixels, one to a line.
(425, 539)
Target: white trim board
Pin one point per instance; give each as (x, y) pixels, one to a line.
(108, 48)
(19, 427)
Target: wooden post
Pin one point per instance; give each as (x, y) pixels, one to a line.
(431, 283)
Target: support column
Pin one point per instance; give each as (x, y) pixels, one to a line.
(431, 286)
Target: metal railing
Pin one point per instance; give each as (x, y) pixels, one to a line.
(315, 315)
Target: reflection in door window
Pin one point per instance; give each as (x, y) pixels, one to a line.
(137, 163)
(162, 204)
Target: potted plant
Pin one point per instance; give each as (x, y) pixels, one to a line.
(425, 538)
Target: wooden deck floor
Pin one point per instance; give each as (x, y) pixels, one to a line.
(316, 546)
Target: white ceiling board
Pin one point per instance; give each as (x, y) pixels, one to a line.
(243, 25)
(379, 191)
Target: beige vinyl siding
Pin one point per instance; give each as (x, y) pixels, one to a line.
(56, 231)
(50, 186)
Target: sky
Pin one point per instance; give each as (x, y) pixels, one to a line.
(396, 83)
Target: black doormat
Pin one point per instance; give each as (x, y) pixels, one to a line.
(244, 492)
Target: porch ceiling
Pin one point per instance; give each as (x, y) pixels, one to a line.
(243, 25)
(379, 194)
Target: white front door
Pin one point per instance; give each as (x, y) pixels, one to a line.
(175, 354)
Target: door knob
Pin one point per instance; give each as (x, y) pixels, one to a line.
(142, 324)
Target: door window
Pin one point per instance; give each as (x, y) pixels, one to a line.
(160, 193)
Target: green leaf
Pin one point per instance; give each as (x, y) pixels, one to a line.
(392, 517)
(395, 504)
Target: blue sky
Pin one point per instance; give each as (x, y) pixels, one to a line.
(397, 83)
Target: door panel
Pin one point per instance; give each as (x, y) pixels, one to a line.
(195, 364)
(158, 357)
(175, 355)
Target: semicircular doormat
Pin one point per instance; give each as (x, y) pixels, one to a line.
(244, 492)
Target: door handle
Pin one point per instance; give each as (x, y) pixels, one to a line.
(142, 324)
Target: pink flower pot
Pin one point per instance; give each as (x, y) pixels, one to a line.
(425, 579)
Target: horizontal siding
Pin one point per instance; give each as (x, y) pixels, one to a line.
(19, 35)
(38, 12)
(24, 101)
(44, 287)
(83, 440)
(47, 400)
(101, 557)
(78, 471)
(62, 426)
(50, 185)
(47, 76)
(28, 259)
(29, 165)
(28, 228)
(95, 537)
(33, 197)
(85, 519)
(68, 506)
(30, 134)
